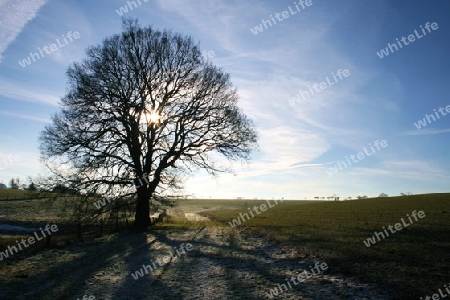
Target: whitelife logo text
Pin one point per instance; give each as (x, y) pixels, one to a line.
(49, 49)
(341, 165)
(411, 38)
(31, 240)
(376, 237)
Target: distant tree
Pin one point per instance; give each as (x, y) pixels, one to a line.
(383, 195)
(144, 110)
(63, 189)
(32, 187)
(14, 184)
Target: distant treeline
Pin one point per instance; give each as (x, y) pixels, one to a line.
(6, 195)
(15, 194)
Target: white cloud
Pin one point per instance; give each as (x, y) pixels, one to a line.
(417, 166)
(14, 15)
(426, 131)
(14, 90)
(18, 163)
(25, 117)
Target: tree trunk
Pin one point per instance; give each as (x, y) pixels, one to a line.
(142, 216)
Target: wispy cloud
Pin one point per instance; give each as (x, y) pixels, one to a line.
(300, 165)
(426, 131)
(25, 117)
(14, 90)
(14, 15)
(413, 170)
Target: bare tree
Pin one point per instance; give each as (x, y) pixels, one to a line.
(145, 109)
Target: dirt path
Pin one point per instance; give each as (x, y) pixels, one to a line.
(224, 263)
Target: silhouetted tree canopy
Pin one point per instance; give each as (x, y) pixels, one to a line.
(145, 105)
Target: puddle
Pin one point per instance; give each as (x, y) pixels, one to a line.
(6, 227)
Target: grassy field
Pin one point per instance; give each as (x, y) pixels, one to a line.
(8, 194)
(412, 262)
(35, 210)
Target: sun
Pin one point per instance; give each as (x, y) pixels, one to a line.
(153, 118)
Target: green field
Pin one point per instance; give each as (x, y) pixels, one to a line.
(8, 194)
(410, 263)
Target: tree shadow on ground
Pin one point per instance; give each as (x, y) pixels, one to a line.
(233, 264)
(218, 267)
(63, 279)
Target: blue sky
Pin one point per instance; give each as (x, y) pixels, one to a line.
(380, 99)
